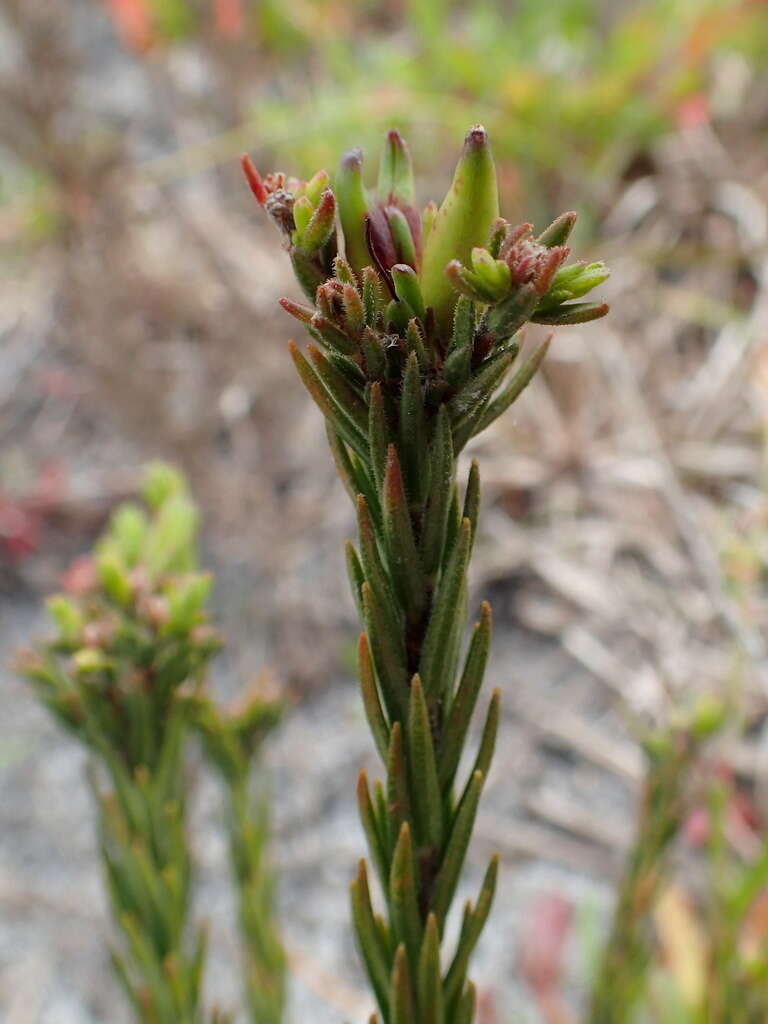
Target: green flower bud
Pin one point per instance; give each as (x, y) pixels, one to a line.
(353, 209)
(396, 171)
(314, 188)
(463, 221)
(302, 215)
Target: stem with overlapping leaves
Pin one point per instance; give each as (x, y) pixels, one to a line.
(413, 320)
(232, 740)
(131, 647)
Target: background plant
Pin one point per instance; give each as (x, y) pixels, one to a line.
(415, 329)
(126, 673)
(232, 740)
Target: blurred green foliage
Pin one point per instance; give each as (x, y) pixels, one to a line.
(570, 90)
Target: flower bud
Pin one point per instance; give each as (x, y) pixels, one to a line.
(463, 221)
(353, 209)
(314, 188)
(396, 171)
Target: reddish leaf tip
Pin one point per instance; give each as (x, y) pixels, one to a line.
(253, 178)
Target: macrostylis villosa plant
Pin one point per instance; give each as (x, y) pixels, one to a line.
(125, 673)
(413, 321)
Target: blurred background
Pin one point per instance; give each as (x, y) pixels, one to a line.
(625, 522)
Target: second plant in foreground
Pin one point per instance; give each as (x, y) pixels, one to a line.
(413, 319)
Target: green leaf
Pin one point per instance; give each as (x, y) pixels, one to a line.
(375, 573)
(558, 231)
(407, 290)
(465, 1013)
(465, 699)
(401, 1008)
(412, 431)
(488, 738)
(373, 300)
(572, 313)
(373, 353)
(493, 371)
(378, 433)
(307, 271)
(404, 562)
(343, 394)
(339, 422)
(324, 330)
(398, 797)
(351, 372)
(320, 226)
(422, 763)
(355, 573)
(342, 271)
(354, 313)
(514, 389)
(508, 316)
(464, 323)
(376, 840)
(388, 654)
(342, 460)
(414, 341)
(471, 929)
(382, 815)
(403, 897)
(479, 388)
(405, 244)
(371, 702)
(456, 848)
(472, 498)
(446, 618)
(368, 938)
(441, 494)
(430, 985)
